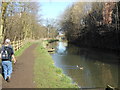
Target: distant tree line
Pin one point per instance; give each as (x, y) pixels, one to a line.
(93, 24)
(21, 20)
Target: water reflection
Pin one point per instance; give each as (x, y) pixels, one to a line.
(88, 68)
(61, 48)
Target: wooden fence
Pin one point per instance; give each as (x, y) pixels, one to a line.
(17, 44)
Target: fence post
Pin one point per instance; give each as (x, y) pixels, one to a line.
(17, 44)
(21, 43)
(13, 44)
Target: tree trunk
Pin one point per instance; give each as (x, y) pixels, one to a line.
(2, 27)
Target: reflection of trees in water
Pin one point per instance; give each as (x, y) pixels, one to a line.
(61, 48)
(119, 74)
(106, 74)
(97, 74)
(94, 54)
(100, 68)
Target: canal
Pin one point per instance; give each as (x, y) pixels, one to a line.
(89, 68)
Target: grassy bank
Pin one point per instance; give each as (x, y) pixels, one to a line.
(46, 74)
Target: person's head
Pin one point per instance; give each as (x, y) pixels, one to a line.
(7, 41)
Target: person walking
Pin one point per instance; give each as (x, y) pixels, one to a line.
(7, 55)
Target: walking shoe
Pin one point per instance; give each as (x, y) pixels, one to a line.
(8, 79)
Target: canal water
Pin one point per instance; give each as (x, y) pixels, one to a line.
(87, 67)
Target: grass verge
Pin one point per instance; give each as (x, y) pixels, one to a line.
(46, 74)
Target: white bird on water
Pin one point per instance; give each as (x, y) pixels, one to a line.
(80, 67)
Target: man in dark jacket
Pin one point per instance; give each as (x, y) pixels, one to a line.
(7, 55)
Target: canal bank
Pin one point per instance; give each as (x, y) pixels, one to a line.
(46, 74)
(88, 68)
